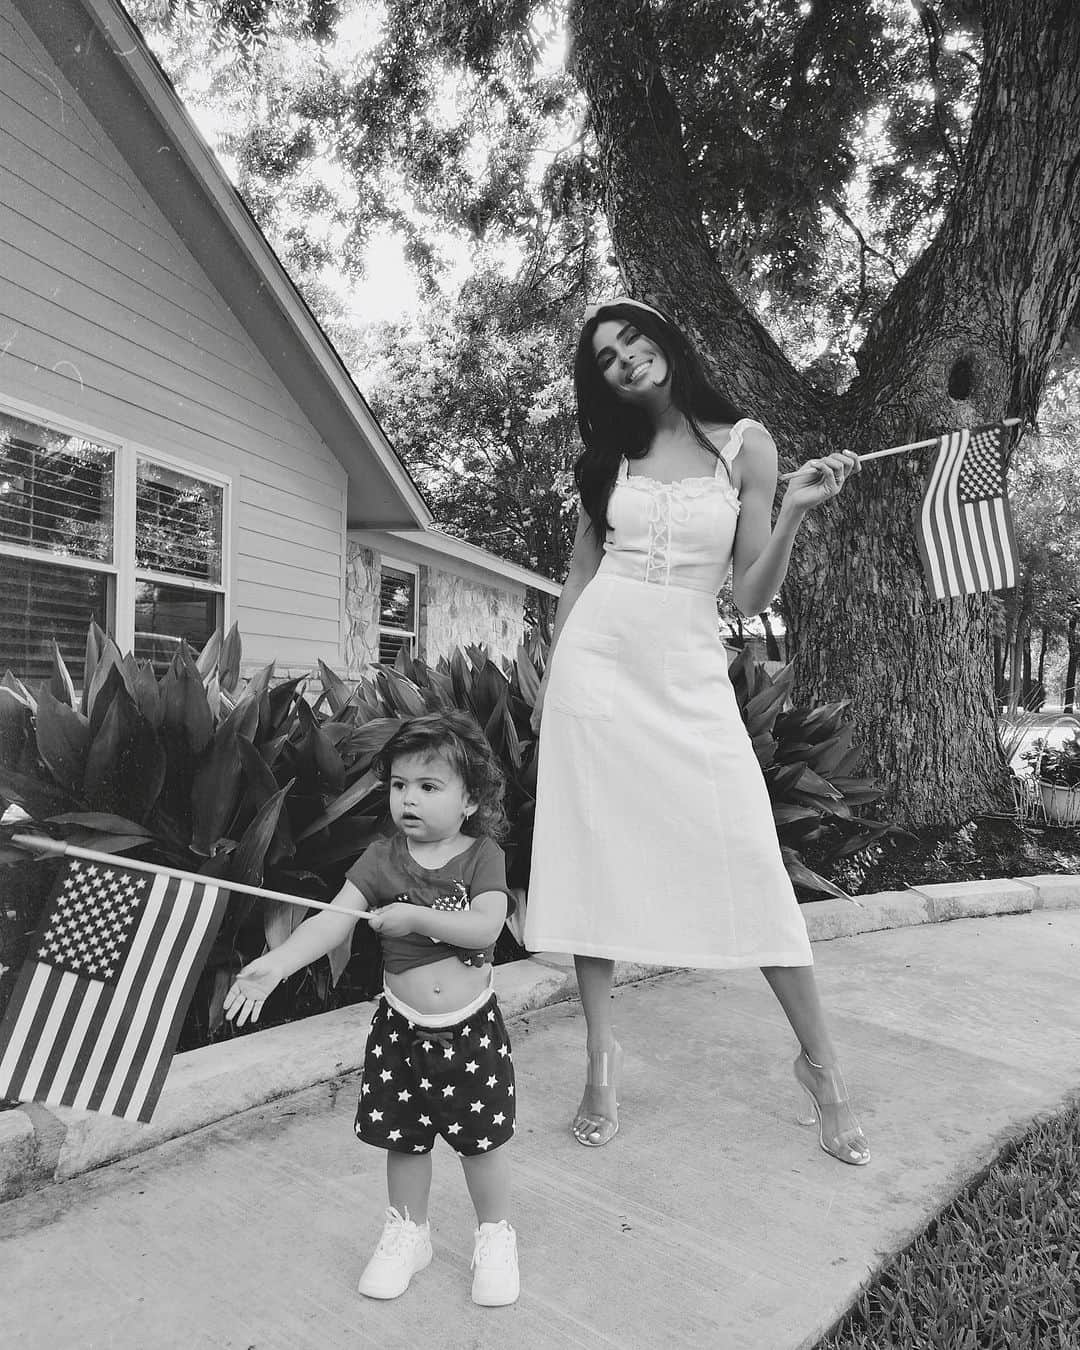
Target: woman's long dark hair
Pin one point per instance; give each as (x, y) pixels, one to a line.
(611, 428)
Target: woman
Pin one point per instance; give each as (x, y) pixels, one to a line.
(654, 838)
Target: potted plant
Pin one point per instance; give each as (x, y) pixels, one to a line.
(1056, 769)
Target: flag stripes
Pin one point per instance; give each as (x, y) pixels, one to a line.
(964, 526)
(99, 1037)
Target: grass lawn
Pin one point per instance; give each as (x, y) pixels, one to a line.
(998, 1269)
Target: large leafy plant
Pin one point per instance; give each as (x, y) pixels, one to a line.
(242, 779)
(807, 757)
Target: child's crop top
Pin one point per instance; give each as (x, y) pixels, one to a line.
(386, 872)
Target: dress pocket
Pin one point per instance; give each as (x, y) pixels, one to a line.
(583, 683)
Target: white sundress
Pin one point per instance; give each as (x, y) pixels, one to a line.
(653, 839)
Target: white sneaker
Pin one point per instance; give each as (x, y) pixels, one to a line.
(495, 1265)
(404, 1248)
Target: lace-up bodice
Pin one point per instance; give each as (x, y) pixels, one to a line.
(675, 534)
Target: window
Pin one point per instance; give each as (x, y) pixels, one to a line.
(398, 596)
(106, 532)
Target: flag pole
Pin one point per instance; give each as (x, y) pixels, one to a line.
(45, 845)
(903, 449)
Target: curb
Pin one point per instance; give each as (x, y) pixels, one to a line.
(40, 1145)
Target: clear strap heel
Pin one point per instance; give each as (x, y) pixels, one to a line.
(824, 1085)
(593, 1128)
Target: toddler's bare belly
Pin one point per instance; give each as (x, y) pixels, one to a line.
(440, 987)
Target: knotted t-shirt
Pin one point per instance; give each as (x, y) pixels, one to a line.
(387, 872)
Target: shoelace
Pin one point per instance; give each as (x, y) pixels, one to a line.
(497, 1245)
(395, 1236)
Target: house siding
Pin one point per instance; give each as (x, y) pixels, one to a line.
(107, 321)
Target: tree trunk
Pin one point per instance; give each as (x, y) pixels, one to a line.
(772, 647)
(996, 288)
(1069, 699)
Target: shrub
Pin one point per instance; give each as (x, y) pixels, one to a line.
(806, 755)
(260, 783)
(1058, 764)
(241, 780)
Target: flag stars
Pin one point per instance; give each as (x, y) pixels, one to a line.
(476, 1106)
(485, 1041)
(376, 1115)
(425, 1083)
(425, 1120)
(472, 1066)
(492, 1081)
(483, 1143)
(386, 1075)
(448, 1051)
(376, 1050)
(453, 1129)
(498, 1118)
(448, 1091)
(395, 1135)
(404, 1095)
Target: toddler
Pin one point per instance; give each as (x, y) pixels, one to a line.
(438, 1057)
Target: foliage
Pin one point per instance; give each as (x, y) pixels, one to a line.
(806, 756)
(1058, 763)
(823, 140)
(476, 398)
(246, 781)
(998, 1266)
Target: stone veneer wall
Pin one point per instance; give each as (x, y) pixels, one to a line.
(454, 611)
(361, 609)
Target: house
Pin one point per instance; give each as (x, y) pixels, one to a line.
(180, 445)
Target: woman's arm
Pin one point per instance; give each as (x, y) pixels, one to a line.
(584, 560)
(763, 550)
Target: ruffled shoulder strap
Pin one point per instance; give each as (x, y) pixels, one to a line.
(733, 444)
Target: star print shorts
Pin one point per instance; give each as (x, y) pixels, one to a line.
(419, 1081)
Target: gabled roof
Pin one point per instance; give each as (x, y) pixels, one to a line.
(104, 57)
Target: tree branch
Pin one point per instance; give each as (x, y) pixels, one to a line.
(655, 218)
(1001, 279)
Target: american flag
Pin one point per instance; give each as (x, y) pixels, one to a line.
(98, 1005)
(964, 526)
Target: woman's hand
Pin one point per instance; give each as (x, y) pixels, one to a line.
(819, 479)
(251, 988)
(395, 920)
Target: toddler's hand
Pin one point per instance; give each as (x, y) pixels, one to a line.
(250, 990)
(395, 920)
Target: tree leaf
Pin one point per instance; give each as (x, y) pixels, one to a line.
(61, 685)
(63, 740)
(350, 798)
(214, 791)
(248, 859)
(36, 797)
(279, 920)
(338, 693)
(101, 820)
(186, 710)
(229, 662)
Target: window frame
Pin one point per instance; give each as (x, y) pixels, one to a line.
(411, 634)
(122, 573)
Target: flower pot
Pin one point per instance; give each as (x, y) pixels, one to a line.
(1061, 804)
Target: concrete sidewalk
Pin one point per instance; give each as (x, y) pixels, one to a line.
(711, 1221)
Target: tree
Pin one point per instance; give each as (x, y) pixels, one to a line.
(866, 212)
(966, 335)
(476, 398)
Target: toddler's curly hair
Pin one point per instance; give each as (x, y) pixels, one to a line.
(456, 736)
